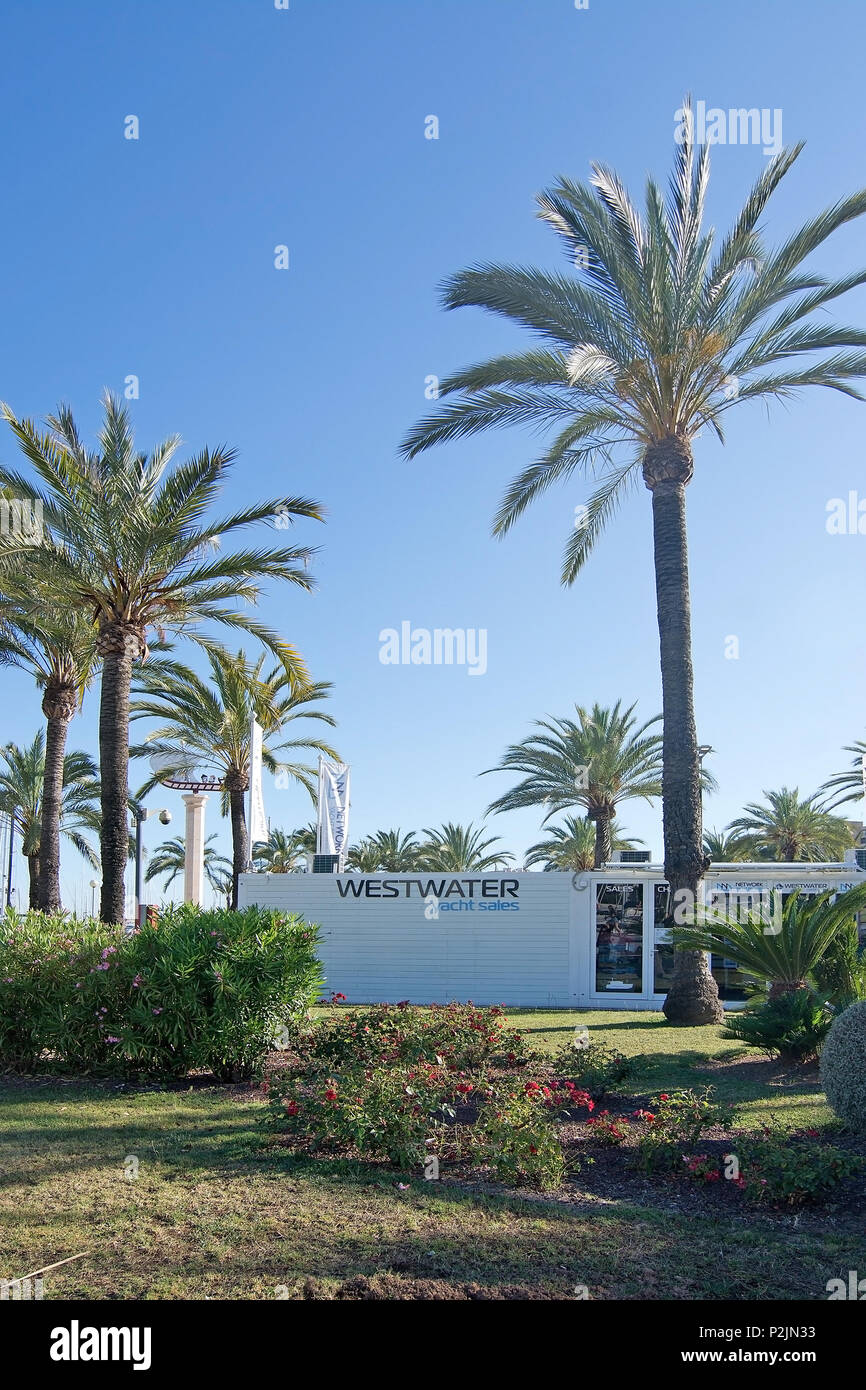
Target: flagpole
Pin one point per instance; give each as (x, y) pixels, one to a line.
(250, 793)
(320, 801)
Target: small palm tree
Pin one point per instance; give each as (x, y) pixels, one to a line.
(127, 542)
(206, 725)
(398, 853)
(57, 645)
(789, 829)
(279, 854)
(225, 886)
(572, 845)
(808, 928)
(658, 334)
(306, 837)
(596, 761)
(170, 859)
(388, 851)
(460, 849)
(22, 773)
(364, 857)
(847, 786)
(725, 847)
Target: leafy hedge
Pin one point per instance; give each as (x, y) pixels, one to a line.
(197, 990)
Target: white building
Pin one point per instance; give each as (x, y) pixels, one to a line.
(550, 940)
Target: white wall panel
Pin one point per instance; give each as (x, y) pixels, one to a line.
(384, 948)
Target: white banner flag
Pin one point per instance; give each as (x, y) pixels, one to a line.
(258, 824)
(332, 836)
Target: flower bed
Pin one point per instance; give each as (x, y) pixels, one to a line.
(426, 1088)
(455, 1091)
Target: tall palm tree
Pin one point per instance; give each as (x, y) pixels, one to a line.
(279, 854)
(170, 859)
(847, 786)
(57, 645)
(128, 541)
(654, 334)
(788, 829)
(596, 761)
(572, 845)
(206, 724)
(460, 849)
(22, 776)
(727, 847)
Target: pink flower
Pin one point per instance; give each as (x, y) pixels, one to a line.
(112, 1040)
(156, 1011)
(136, 984)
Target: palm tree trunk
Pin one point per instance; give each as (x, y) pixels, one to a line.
(58, 706)
(235, 785)
(603, 843)
(693, 997)
(33, 866)
(119, 646)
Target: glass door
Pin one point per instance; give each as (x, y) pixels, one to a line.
(619, 929)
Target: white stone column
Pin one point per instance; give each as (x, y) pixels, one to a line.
(193, 869)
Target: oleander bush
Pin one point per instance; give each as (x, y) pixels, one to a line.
(198, 990)
(843, 1066)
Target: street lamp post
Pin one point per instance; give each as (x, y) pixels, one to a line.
(140, 814)
(94, 884)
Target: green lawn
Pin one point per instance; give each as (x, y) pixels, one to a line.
(215, 1213)
(676, 1057)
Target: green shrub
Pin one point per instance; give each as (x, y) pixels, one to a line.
(460, 1037)
(777, 1166)
(794, 1025)
(197, 990)
(609, 1131)
(407, 1084)
(594, 1067)
(388, 1112)
(515, 1135)
(843, 1066)
(840, 974)
(674, 1126)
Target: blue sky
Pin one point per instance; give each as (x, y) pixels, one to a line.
(306, 127)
